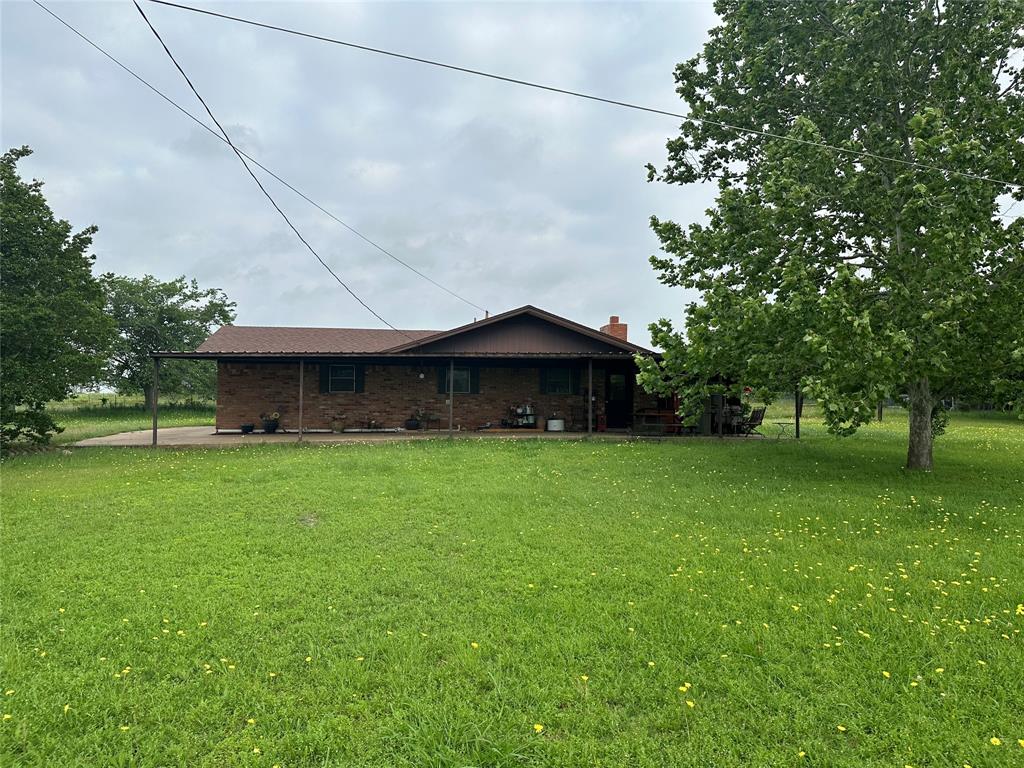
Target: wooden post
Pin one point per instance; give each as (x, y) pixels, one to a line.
(881, 408)
(590, 396)
(451, 397)
(156, 394)
(302, 365)
(797, 408)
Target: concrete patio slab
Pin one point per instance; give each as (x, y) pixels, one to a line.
(205, 436)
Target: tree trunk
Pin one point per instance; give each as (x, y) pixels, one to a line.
(919, 450)
(148, 394)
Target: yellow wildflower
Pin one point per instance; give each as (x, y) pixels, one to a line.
(995, 741)
(537, 727)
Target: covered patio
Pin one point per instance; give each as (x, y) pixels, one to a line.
(208, 437)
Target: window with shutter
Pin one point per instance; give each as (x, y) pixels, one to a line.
(342, 378)
(557, 381)
(464, 380)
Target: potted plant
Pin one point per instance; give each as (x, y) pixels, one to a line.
(271, 421)
(247, 428)
(414, 421)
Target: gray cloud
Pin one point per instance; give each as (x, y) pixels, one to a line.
(507, 195)
(198, 142)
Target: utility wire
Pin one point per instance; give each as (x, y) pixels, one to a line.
(254, 161)
(591, 97)
(255, 178)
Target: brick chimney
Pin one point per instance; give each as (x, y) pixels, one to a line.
(615, 328)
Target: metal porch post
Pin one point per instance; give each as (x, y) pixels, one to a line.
(302, 366)
(451, 397)
(156, 394)
(590, 396)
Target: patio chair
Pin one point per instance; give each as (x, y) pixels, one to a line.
(749, 425)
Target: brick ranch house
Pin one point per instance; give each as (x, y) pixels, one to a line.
(351, 379)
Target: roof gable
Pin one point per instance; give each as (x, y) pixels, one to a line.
(524, 331)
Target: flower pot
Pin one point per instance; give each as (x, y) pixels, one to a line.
(247, 429)
(270, 426)
(412, 423)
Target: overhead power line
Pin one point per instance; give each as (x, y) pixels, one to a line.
(254, 161)
(591, 97)
(255, 178)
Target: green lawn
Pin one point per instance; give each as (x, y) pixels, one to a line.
(435, 603)
(87, 416)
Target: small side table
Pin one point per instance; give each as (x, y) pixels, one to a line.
(783, 429)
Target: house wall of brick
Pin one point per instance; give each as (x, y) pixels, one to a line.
(390, 395)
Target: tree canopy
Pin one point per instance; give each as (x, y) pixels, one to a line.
(54, 330)
(848, 274)
(154, 315)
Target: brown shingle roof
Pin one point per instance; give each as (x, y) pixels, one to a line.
(253, 339)
(527, 331)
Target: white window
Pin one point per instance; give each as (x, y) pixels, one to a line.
(342, 378)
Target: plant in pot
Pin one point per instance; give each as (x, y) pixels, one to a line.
(271, 421)
(415, 421)
(247, 428)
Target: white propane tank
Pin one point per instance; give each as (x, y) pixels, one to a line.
(556, 425)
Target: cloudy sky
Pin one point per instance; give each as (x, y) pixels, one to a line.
(504, 194)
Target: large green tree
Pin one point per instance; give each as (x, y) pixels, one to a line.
(154, 315)
(53, 330)
(846, 273)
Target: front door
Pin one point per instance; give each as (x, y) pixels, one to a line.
(618, 404)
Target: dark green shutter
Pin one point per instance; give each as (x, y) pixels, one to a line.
(442, 381)
(543, 381)
(574, 380)
(474, 380)
(360, 373)
(325, 378)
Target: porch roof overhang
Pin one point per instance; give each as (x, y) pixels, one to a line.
(394, 359)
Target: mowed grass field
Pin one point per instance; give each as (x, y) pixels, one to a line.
(87, 416)
(530, 603)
